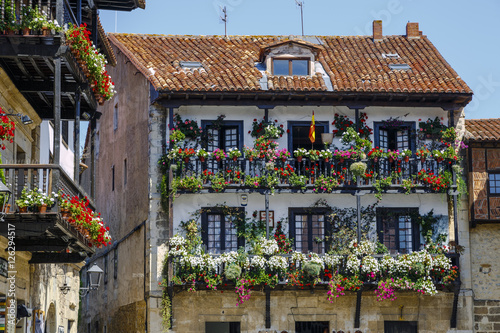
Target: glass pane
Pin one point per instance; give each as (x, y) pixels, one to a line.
(230, 138)
(300, 67)
(300, 137)
(280, 67)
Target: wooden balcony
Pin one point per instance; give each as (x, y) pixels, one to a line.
(48, 236)
(238, 175)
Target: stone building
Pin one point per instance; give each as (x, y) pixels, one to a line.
(46, 92)
(221, 92)
(483, 167)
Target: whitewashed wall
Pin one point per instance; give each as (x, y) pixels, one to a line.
(47, 147)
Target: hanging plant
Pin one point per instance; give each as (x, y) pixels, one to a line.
(7, 128)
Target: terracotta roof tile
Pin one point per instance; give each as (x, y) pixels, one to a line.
(483, 129)
(352, 63)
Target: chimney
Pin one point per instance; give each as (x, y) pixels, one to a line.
(412, 30)
(377, 30)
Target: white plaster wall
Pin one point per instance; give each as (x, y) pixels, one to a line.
(47, 147)
(187, 204)
(323, 113)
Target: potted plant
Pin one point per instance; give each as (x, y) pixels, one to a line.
(326, 155)
(219, 154)
(375, 154)
(423, 153)
(187, 153)
(234, 153)
(358, 169)
(392, 155)
(202, 154)
(283, 154)
(300, 153)
(431, 127)
(438, 155)
(250, 153)
(23, 201)
(313, 155)
(406, 154)
(267, 129)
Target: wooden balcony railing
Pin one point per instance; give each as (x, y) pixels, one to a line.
(47, 177)
(239, 173)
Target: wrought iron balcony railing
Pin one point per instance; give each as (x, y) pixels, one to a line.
(319, 176)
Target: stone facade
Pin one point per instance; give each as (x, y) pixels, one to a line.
(486, 316)
(432, 314)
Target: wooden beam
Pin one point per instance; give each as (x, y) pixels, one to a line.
(55, 258)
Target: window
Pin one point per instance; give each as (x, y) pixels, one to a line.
(395, 138)
(113, 178)
(115, 118)
(291, 66)
(308, 229)
(65, 131)
(226, 136)
(299, 137)
(219, 231)
(312, 327)
(221, 327)
(397, 230)
(125, 172)
(400, 327)
(494, 183)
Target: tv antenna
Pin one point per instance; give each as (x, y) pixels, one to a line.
(301, 5)
(223, 18)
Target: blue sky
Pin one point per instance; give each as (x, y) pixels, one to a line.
(466, 33)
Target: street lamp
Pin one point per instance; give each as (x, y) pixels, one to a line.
(5, 195)
(25, 119)
(94, 275)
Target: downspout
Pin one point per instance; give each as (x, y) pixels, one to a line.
(454, 192)
(144, 279)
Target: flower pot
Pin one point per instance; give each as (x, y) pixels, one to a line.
(250, 158)
(407, 159)
(42, 208)
(235, 158)
(439, 159)
(422, 159)
(341, 160)
(299, 158)
(45, 31)
(217, 158)
(23, 209)
(202, 159)
(26, 31)
(7, 208)
(375, 159)
(390, 159)
(186, 159)
(283, 159)
(327, 159)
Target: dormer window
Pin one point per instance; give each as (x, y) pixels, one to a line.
(290, 58)
(291, 66)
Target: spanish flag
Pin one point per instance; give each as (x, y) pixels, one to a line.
(312, 130)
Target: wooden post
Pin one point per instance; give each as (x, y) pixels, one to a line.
(76, 144)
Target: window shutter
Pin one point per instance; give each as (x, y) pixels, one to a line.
(204, 229)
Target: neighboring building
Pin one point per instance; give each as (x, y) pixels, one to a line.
(484, 181)
(41, 80)
(397, 81)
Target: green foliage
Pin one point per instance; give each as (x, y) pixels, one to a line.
(232, 272)
(312, 268)
(358, 169)
(380, 185)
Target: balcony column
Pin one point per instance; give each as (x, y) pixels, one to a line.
(78, 12)
(267, 214)
(77, 136)
(60, 12)
(94, 25)
(57, 121)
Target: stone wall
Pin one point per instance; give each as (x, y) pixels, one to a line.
(486, 316)
(485, 248)
(432, 313)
